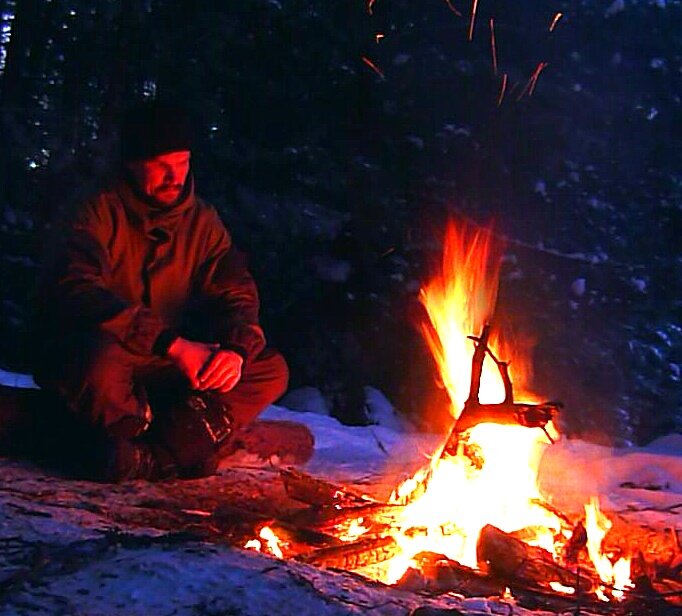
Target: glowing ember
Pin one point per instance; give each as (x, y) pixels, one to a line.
(370, 6)
(533, 80)
(373, 66)
(378, 37)
(597, 524)
(474, 8)
(555, 21)
(503, 89)
(493, 45)
(566, 590)
(352, 530)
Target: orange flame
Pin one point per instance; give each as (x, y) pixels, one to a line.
(270, 542)
(462, 497)
(616, 575)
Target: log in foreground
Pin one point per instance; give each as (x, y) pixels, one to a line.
(512, 559)
(353, 556)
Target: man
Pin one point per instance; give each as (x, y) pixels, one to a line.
(149, 324)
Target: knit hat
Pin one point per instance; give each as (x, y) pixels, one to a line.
(152, 128)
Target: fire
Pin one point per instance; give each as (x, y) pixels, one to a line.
(492, 477)
(615, 575)
(486, 474)
(271, 541)
(459, 301)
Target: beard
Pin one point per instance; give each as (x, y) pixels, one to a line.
(167, 194)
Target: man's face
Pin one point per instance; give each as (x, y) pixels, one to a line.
(163, 177)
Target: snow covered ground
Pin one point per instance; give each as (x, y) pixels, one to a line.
(57, 555)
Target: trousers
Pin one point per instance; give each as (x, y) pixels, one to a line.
(101, 383)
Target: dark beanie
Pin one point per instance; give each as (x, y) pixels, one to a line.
(152, 128)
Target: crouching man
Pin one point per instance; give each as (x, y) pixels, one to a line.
(149, 327)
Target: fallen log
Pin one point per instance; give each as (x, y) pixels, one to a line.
(514, 560)
(353, 556)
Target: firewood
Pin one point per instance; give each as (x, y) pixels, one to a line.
(353, 556)
(438, 574)
(512, 559)
(575, 544)
(313, 491)
(374, 516)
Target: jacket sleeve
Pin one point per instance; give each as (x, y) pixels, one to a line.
(225, 282)
(83, 292)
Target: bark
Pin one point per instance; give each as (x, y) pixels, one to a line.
(514, 560)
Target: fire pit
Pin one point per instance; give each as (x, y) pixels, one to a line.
(473, 519)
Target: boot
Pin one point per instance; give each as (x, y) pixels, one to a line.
(130, 459)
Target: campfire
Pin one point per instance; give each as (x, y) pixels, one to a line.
(472, 520)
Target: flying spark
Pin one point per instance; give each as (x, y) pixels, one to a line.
(474, 8)
(529, 88)
(453, 8)
(370, 6)
(556, 19)
(493, 45)
(541, 67)
(503, 89)
(378, 36)
(373, 66)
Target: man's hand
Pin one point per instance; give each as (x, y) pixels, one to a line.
(222, 372)
(205, 365)
(190, 357)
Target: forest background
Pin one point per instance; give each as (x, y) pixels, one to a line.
(337, 137)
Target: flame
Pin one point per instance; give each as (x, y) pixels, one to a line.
(269, 539)
(495, 481)
(459, 301)
(616, 575)
(492, 477)
(352, 530)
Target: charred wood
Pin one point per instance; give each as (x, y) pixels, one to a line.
(438, 574)
(353, 556)
(512, 559)
(313, 491)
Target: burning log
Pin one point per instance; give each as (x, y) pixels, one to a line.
(440, 574)
(375, 516)
(353, 556)
(512, 559)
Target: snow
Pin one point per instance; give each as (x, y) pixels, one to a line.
(194, 577)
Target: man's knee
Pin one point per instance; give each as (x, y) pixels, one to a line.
(271, 370)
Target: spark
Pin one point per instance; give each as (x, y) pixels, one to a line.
(373, 66)
(493, 45)
(370, 6)
(529, 88)
(534, 78)
(503, 89)
(474, 8)
(378, 36)
(453, 8)
(556, 19)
